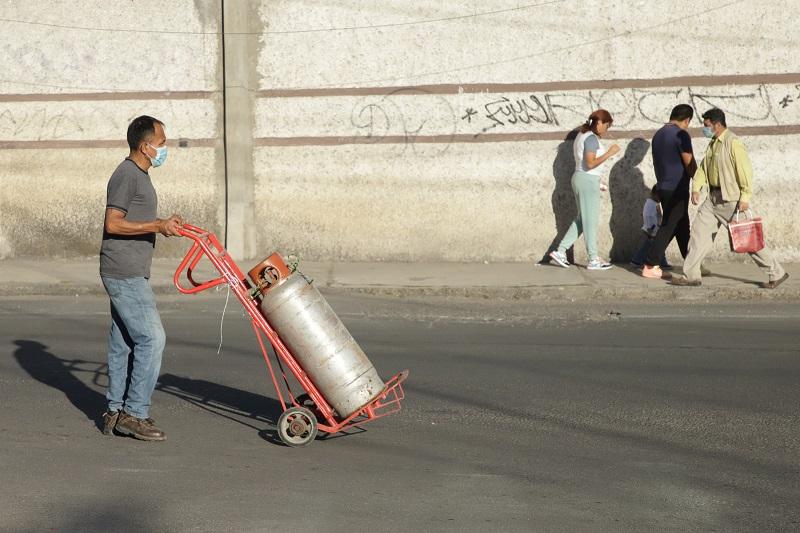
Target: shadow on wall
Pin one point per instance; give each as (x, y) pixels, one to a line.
(628, 193)
(563, 199)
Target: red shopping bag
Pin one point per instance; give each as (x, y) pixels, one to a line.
(747, 235)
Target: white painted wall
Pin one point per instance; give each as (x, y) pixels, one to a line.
(59, 143)
(61, 46)
(398, 174)
(464, 201)
(412, 42)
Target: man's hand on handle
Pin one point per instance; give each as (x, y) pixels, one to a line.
(169, 227)
(742, 206)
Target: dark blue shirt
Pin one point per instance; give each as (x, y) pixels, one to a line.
(668, 144)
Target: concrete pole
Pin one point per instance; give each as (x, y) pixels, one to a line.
(240, 48)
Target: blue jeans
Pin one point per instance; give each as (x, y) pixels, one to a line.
(135, 330)
(644, 249)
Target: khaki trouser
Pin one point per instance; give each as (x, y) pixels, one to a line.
(714, 213)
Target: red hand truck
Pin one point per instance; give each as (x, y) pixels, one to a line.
(303, 415)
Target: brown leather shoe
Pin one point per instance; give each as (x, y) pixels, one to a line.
(771, 284)
(139, 428)
(109, 422)
(685, 282)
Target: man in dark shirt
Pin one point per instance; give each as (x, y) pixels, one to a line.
(674, 164)
(129, 236)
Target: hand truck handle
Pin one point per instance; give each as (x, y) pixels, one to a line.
(193, 232)
(193, 256)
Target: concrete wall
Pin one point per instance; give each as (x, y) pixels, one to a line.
(73, 76)
(398, 129)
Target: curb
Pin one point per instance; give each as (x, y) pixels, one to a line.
(586, 292)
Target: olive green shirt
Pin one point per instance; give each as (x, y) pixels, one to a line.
(726, 165)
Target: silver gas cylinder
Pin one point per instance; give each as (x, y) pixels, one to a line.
(321, 344)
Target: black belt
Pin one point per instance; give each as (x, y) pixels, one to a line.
(712, 188)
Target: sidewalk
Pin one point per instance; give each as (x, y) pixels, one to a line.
(729, 281)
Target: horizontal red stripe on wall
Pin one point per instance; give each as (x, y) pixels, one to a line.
(63, 144)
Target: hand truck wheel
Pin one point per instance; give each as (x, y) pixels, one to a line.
(297, 426)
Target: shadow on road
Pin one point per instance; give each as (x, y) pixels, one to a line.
(61, 374)
(47, 368)
(234, 404)
(227, 402)
(100, 514)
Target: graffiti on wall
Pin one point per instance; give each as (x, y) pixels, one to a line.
(630, 107)
(19, 122)
(788, 100)
(399, 114)
(412, 115)
(96, 118)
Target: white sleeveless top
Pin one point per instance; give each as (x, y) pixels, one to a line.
(578, 148)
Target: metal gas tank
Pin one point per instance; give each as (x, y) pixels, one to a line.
(321, 344)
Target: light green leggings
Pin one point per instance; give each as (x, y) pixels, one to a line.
(587, 197)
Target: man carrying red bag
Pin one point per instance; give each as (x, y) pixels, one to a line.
(727, 171)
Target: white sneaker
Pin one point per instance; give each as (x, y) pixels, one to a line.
(560, 258)
(598, 264)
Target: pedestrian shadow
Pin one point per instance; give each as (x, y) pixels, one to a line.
(46, 367)
(233, 404)
(563, 198)
(628, 193)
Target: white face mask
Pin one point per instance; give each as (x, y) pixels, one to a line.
(708, 131)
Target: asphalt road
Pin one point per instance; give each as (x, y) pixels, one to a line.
(573, 417)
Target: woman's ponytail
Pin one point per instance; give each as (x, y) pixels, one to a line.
(600, 115)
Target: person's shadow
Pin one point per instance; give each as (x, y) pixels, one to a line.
(227, 402)
(563, 198)
(45, 367)
(628, 193)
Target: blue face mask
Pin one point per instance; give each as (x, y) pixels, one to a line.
(708, 132)
(161, 155)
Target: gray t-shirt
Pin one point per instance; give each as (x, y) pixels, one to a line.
(130, 191)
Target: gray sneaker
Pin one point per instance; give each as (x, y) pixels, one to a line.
(560, 258)
(598, 264)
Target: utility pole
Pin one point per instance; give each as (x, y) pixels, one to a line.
(239, 59)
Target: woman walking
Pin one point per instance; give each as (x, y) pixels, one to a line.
(586, 184)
